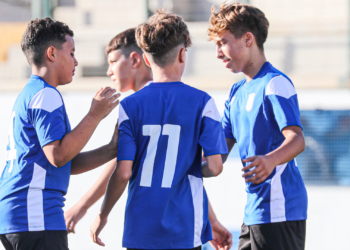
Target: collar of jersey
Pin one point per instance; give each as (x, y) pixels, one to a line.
(261, 72)
(35, 77)
(164, 84)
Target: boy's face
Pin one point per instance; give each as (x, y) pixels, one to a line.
(233, 52)
(120, 70)
(66, 61)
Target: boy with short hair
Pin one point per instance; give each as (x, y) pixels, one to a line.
(163, 129)
(128, 71)
(262, 117)
(42, 151)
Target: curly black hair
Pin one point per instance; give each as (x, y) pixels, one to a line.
(39, 35)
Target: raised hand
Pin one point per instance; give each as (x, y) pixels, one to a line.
(104, 101)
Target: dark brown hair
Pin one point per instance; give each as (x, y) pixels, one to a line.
(39, 35)
(124, 41)
(160, 34)
(239, 19)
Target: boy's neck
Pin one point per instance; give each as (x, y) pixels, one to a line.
(45, 74)
(254, 65)
(141, 79)
(167, 74)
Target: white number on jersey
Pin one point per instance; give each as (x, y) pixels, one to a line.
(12, 152)
(153, 131)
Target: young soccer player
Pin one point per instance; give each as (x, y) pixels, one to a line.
(262, 117)
(163, 129)
(43, 151)
(128, 71)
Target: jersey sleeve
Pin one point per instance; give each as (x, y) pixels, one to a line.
(212, 137)
(283, 98)
(226, 121)
(127, 141)
(47, 115)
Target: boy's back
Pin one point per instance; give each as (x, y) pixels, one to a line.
(163, 128)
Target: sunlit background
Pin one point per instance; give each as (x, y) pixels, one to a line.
(309, 40)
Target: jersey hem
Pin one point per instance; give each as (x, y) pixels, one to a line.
(292, 124)
(26, 230)
(269, 222)
(125, 159)
(50, 140)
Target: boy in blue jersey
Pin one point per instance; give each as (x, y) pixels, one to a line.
(262, 117)
(163, 128)
(43, 151)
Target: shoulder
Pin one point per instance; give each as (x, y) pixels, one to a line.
(280, 85)
(46, 98)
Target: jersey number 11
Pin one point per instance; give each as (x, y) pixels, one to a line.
(153, 131)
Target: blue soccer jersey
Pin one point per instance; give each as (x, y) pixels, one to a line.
(255, 115)
(163, 129)
(31, 189)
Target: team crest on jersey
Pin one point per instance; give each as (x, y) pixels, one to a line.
(250, 102)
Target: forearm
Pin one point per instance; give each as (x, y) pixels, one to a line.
(292, 146)
(205, 170)
(115, 189)
(87, 161)
(99, 187)
(61, 152)
(212, 216)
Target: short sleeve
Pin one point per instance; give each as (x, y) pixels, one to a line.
(47, 115)
(283, 98)
(226, 121)
(212, 137)
(127, 142)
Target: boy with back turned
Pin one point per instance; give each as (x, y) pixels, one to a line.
(163, 129)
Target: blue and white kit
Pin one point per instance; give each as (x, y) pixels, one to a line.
(31, 189)
(255, 115)
(163, 129)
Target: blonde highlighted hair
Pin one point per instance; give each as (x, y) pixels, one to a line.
(239, 19)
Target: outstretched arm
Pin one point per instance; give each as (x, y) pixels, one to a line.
(60, 152)
(74, 214)
(115, 189)
(292, 146)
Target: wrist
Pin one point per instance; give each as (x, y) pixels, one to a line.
(93, 118)
(112, 149)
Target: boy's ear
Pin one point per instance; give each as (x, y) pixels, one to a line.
(248, 39)
(51, 53)
(182, 55)
(146, 60)
(136, 59)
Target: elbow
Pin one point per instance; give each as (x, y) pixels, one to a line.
(58, 162)
(216, 170)
(124, 176)
(302, 143)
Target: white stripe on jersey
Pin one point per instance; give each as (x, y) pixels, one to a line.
(197, 198)
(277, 201)
(122, 115)
(47, 99)
(210, 110)
(280, 86)
(35, 207)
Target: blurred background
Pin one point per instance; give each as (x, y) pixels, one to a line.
(309, 40)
